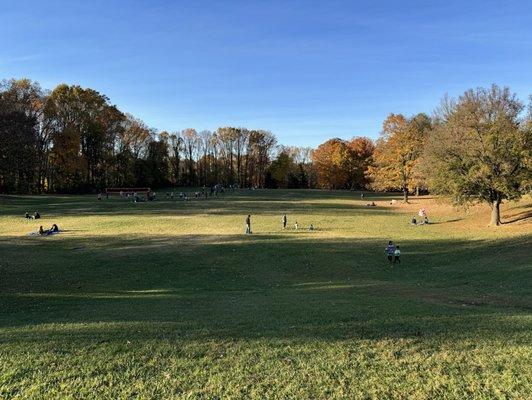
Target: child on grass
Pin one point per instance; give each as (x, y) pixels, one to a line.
(397, 255)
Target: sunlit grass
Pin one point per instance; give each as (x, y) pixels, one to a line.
(170, 300)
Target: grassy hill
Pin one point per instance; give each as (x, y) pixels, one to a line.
(168, 299)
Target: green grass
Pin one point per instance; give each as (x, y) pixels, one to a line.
(170, 300)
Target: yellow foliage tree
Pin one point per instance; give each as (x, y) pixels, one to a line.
(396, 155)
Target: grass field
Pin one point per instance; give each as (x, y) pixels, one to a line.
(169, 299)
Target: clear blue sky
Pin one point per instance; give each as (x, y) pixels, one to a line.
(306, 70)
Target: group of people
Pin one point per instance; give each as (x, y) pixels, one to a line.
(284, 222)
(42, 231)
(204, 193)
(51, 231)
(393, 253)
(36, 215)
(423, 218)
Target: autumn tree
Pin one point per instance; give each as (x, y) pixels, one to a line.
(330, 161)
(190, 144)
(261, 144)
(22, 146)
(175, 145)
(157, 162)
(480, 149)
(73, 139)
(83, 125)
(397, 152)
(360, 153)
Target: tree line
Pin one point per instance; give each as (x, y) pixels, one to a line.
(71, 139)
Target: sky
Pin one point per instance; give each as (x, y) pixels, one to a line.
(305, 70)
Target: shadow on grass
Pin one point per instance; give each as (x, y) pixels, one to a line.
(278, 286)
(518, 217)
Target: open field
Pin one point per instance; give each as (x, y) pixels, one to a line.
(169, 299)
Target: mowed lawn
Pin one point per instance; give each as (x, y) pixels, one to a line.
(169, 299)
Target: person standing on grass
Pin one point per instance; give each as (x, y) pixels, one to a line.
(390, 252)
(284, 220)
(397, 255)
(248, 225)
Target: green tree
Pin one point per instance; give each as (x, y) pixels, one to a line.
(480, 149)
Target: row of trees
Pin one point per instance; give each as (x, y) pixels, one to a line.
(71, 139)
(476, 148)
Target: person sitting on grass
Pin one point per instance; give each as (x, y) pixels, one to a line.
(426, 220)
(414, 221)
(27, 216)
(36, 215)
(311, 227)
(54, 228)
(41, 230)
(397, 255)
(390, 252)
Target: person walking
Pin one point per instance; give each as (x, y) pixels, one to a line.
(248, 225)
(397, 255)
(284, 220)
(390, 252)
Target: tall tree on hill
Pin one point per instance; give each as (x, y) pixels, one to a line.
(397, 153)
(480, 149)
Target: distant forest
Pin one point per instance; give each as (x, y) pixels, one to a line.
(74, 140)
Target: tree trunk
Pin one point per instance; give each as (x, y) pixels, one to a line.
(405, 195)
(495, 213)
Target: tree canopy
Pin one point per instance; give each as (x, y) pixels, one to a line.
(480, 149)
(396, 156)
(476, 148)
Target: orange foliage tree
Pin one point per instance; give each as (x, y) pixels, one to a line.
(340, 164)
